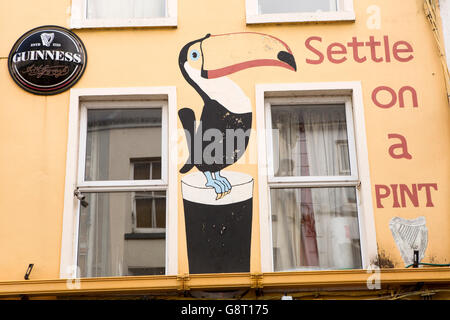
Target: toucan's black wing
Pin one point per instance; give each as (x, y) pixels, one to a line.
(187, 118)
(228, 125)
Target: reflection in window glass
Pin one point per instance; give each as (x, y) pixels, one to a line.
(292, 6)
(107, 246)
(310, 141)
(150, 209)
(114, 136)
(125, 9)
(315, 228)
(146, 169)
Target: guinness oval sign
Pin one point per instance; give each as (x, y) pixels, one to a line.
(47, 60)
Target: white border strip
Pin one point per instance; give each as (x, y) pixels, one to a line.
(253, 16)
(78, 19)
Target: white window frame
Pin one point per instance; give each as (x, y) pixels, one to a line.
(79, 18)
(320, 180)
(85, 185)
(349, 93)
(143, 97)
(445, 17)
(345, 12)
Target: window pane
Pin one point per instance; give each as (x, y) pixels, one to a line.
(310, 141)
(315, 228)
(116, 136)
(290, 6)
(141, 171)
(146, 169)
(106, 246)
(144, 213)
(125, 9)
(150, 209)
(156, 170)
(160, 213)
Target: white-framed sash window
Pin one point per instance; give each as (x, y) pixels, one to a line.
(119, 177)
(278, 11)
(315, 196)
(123, 13)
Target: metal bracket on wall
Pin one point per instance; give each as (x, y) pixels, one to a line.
(256, 280)
(81, 197)
(27, 273)
(183, 278)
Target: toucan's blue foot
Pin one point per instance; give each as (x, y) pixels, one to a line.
(224, 181)
(220, 184)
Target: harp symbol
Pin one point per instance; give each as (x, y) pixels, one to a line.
(47, 39)
(410, 235)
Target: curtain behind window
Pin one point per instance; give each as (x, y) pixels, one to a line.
(306, 140)
(312, 227)
(125, 9)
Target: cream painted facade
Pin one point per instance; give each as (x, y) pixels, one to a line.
(405, 97)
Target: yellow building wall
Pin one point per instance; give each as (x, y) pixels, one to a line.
(33, 129)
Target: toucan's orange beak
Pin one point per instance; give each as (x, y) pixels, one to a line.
(229, 53)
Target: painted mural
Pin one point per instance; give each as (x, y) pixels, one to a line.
(218, 201)
(410, 235)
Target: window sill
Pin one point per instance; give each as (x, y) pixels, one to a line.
(145, 236)
(301, 17)
(129, 23)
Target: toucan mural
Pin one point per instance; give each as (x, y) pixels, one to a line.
(217, 202)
